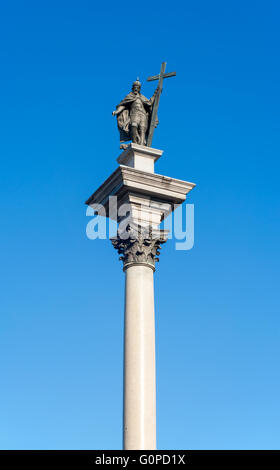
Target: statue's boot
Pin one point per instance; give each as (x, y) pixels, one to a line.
(142, 136)
(134, 135)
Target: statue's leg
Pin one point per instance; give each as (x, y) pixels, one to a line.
(142, 136)
(134, 134)
(142, 130)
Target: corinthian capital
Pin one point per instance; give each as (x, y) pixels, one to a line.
(139, 245)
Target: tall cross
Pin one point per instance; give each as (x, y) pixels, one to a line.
(160, 78)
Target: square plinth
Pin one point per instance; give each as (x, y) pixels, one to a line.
(140, 157)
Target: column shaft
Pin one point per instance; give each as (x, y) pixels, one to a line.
(139, 360)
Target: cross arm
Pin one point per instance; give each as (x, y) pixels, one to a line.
(157, 77)
(154, 77)
(169, 74)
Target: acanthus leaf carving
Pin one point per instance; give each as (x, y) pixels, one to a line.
(139, 245)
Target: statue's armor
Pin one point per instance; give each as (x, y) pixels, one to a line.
(138, 115)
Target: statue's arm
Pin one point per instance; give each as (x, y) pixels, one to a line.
(118, 110)
(152, 99)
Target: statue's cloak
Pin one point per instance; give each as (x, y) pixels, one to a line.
(124, 116)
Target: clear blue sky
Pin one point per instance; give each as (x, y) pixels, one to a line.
(64, 67)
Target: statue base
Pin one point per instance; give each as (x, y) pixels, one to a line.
(150, 196)
(140, 157)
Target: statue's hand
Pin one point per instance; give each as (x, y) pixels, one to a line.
(114, 113)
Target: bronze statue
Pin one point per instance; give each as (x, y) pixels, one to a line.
(136, 115)
(133, 114)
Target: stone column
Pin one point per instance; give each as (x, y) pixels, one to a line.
(151, 198)
(139, 252)
(139, 427)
